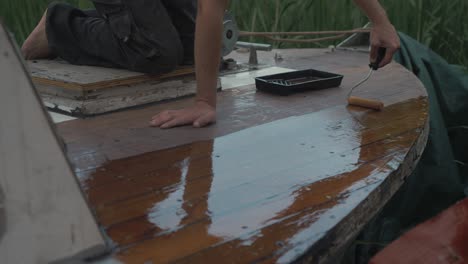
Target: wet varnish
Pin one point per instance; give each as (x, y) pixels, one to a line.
(266, 193)
(276, 179)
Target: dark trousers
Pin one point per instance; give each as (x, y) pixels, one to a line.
(151, 36)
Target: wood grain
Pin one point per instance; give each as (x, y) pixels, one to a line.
(276, 179)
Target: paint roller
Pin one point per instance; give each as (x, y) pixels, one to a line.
(364, 102)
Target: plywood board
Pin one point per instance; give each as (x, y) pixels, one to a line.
(122, 97)
(85, 78)
(88, 90)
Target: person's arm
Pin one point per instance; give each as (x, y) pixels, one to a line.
(383, 33)
(209, 27)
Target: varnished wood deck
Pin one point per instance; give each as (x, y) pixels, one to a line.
(275, 180)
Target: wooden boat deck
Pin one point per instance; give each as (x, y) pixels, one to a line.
(276, 179)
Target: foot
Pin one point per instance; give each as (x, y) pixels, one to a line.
(36, 45)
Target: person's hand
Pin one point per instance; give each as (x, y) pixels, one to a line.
(384, 35)
(199, 115)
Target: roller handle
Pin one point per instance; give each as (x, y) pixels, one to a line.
(380, 55)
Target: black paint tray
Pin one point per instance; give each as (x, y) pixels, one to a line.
(297, 81)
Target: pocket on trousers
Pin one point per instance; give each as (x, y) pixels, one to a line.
(123, 27)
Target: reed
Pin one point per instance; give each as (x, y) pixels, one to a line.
(440, 25)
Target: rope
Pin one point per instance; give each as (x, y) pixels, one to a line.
(270, 35)
(307, 40)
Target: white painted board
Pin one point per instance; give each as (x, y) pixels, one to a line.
(44, 216)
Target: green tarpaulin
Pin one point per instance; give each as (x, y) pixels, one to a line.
(442, 173)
